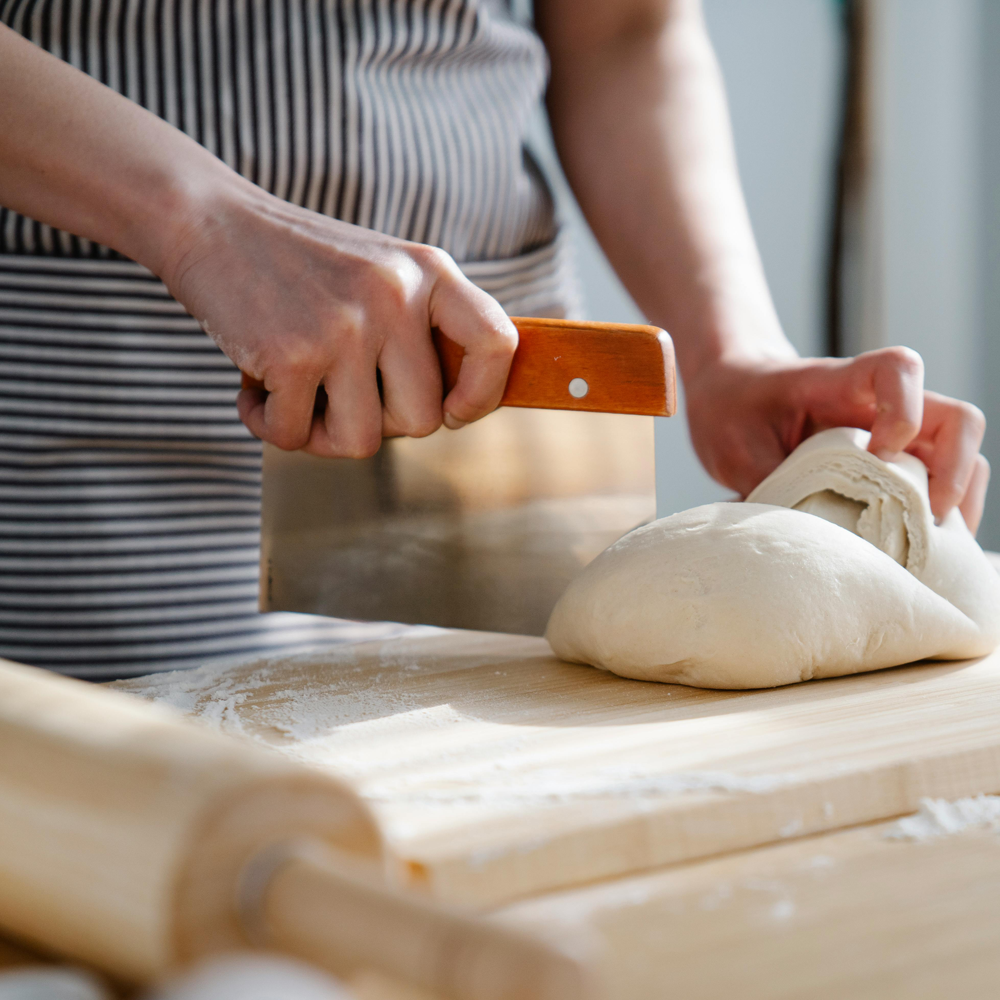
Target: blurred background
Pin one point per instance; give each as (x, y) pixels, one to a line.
(884, 115)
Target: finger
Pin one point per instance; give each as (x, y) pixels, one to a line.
(897, 385)
(880, 391)
(475, 320)
(411, 385)
(949, 446)
(250, 407)
(281, 416)
(975, 496)
(351, 426)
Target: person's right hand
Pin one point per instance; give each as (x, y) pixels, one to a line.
(299, 300)
(748, 414)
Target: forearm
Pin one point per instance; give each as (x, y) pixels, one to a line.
(80, 157)
(640, 121)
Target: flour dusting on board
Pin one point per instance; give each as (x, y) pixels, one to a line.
(551, 784)
(939, 817)
(221, 694)
(354, 721)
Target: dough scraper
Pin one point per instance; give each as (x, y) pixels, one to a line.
(484, 527)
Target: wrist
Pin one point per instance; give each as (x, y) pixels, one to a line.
(745, 338)
(177, 210)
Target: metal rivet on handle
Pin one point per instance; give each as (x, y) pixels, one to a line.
(578, 388)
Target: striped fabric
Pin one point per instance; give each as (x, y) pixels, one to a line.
(129, 490)
(405, 116)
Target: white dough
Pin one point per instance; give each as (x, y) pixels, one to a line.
(744, 595)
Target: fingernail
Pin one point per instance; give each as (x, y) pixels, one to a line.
(888, 456)
(453, 423)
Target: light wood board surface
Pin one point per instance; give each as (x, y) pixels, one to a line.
(850, 915)
(498, 772)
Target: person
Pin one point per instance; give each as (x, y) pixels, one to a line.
(316, 184)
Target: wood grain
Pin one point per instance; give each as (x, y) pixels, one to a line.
(844, 915)
(628, 368)
(138, 842)
(321, 911)
(124, 829)
(497, 771)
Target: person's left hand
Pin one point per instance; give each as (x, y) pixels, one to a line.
(747, 416)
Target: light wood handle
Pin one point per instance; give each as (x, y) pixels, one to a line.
(315, 906)
(565, 365)
(124, 827)
(138, 842)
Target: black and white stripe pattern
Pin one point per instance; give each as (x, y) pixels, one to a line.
(129, 490)
(405, 116)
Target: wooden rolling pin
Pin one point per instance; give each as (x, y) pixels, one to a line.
(137, 841)
(564, 365)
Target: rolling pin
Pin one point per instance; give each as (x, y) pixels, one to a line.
(137, 841)
(567, 365)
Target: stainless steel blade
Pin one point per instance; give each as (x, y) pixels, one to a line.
(481, 528)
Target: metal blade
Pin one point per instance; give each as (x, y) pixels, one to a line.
(481, 528)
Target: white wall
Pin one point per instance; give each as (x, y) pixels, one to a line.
(934, 257)
(781, 62)
(926, 174)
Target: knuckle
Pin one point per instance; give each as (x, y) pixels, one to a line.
(953, 491)
(421, 426)
(351, 325)
(433, 258)
(906, 360)
(292, 371)
(973, 417)
(393, 283)
(294, 354)
(906, 424)
(297, 372)
(363, 449)
(287, 439)
(502, 340)
(359, 445)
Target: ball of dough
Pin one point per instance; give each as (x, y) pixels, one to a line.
(749, 595)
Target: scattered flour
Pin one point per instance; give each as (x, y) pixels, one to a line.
(719, 896)
(792, 828)
(563, 785)
(821, 861)
(939, 817)
(329, 717)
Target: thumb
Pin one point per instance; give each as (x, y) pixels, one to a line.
(474, 320)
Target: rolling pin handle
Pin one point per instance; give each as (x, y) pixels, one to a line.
(305, 899)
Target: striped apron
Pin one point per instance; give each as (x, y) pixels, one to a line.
(129, 490)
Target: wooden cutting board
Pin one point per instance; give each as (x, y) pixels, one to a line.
(499, 772)
(857, 914)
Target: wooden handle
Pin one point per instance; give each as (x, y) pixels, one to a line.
(316, 906)
(124, 827)
(601, 367)
(129, 837)
(564, 365)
